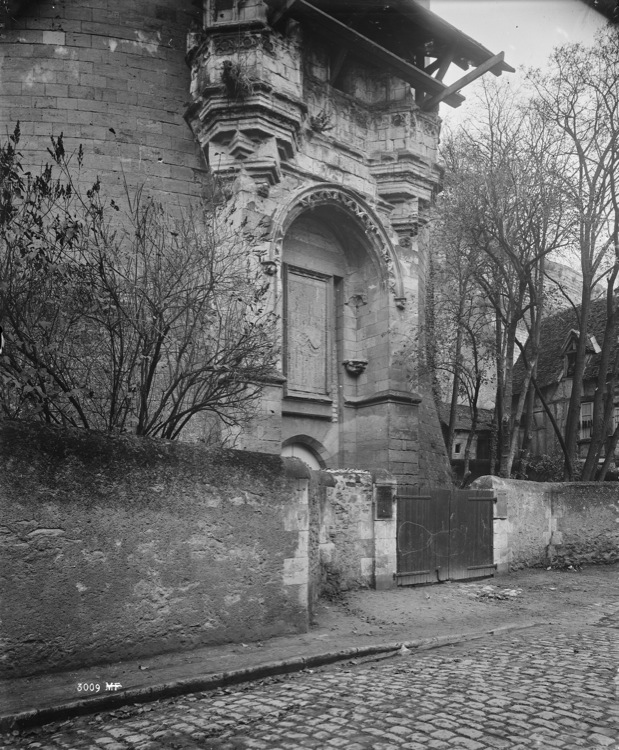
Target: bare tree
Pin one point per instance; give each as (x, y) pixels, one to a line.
(461, 348)
(505, 194)
(578, 103)
(126, 318)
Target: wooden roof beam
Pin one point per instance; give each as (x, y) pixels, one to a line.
(444, 64)
(468, 48)
(416, 77)
(432, 67)
(494, 62)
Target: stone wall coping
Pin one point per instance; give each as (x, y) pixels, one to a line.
(491, 481)
(382, 476)
(294, 468)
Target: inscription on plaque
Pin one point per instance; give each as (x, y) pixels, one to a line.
(307, 346)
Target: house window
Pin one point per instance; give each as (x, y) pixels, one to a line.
(457, 449)
(615, 417)
(586, 420)
(570, 364)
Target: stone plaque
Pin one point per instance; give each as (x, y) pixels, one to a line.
(307, 303)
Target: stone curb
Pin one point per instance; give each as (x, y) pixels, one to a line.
(94, 704)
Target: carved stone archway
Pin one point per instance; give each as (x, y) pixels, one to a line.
(342, 199)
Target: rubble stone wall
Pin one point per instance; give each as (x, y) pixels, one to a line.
(117, 548)
(554, 523)
(346, 534)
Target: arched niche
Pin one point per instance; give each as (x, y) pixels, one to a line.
(334, 291)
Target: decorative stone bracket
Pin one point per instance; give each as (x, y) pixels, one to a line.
(355, 367)
(269, 267)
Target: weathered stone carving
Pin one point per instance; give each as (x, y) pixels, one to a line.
(328, 195)
(355, 367)
(335, 195)
(269, 267)
(357, 300)
(321, 122)
(229, 44)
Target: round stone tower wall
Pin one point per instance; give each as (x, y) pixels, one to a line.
(110, 76)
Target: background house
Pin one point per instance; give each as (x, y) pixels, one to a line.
(479, 457)
(555, 367)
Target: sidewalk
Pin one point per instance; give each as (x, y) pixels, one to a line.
(360, 624)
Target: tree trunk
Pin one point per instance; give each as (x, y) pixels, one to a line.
(507, 452)
(573, 413)
(603, 398)
(472, 433)
(498, 402)
(453, 408)
(611, 445)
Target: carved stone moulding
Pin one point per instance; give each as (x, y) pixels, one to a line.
(346, 200)
(355, 367)
(256, 120)
(264, 172)
(226, 44)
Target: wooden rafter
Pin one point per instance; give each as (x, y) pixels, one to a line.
(432, 101)
(445, 62)
(342, 33)
(432, 67)
(468, 49)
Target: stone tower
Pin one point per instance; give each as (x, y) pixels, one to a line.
(326, 123)
(321, 118)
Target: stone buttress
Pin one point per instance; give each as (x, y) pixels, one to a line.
(341, 170)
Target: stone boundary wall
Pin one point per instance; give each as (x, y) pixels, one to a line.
(117, 547)
(553, 523)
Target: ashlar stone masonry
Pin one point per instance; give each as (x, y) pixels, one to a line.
(323, 140)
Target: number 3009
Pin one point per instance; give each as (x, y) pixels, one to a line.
(88, 687)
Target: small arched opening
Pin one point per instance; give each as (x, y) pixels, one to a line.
(294, 448)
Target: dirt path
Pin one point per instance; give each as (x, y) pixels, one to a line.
(456, 607)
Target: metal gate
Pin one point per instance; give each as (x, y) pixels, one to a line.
(444, 534)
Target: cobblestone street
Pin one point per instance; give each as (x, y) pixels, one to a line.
(544, 687)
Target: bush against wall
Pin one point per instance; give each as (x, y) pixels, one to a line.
(125, 318)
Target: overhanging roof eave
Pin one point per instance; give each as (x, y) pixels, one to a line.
(465, 45)
(338, 30)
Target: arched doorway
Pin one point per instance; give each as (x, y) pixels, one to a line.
(335, 303)
(305, 453)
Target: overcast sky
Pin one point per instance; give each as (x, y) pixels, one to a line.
(526, 30)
